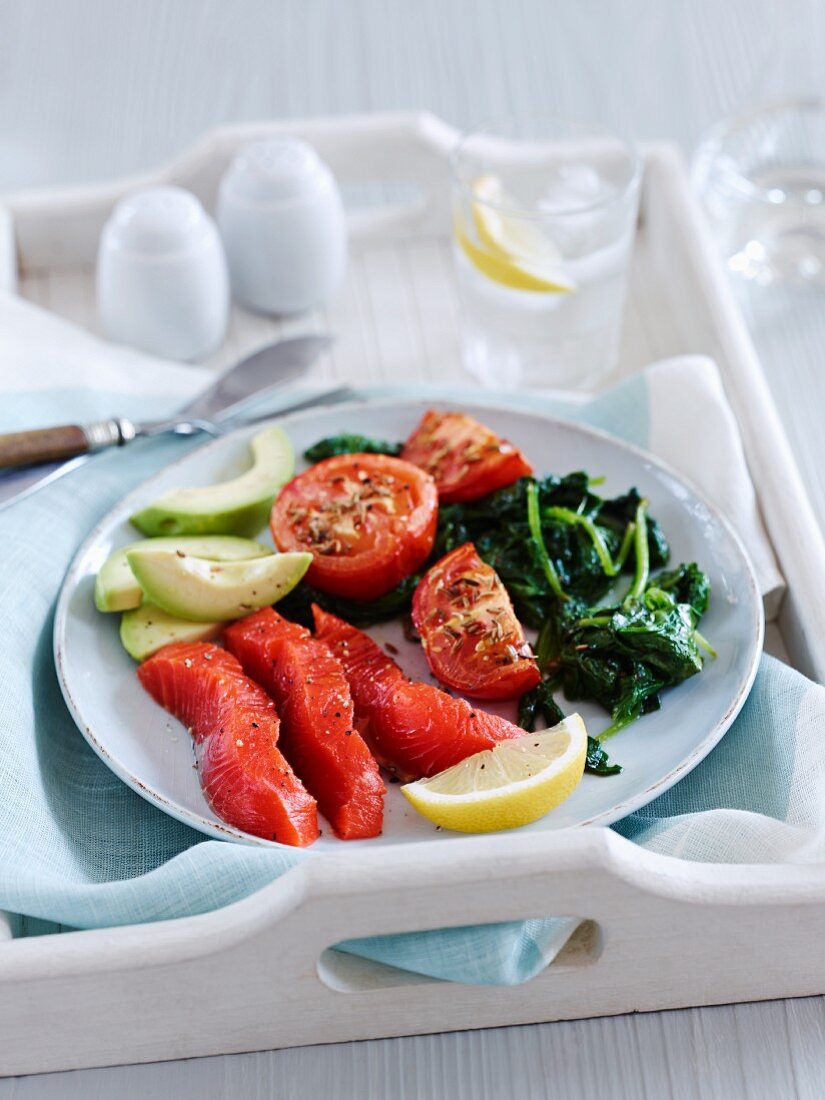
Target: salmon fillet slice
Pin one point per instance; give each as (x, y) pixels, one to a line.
(318, 734)
(235, 726)
(413, 729)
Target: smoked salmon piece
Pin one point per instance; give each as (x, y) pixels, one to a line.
(234, 724)
(318, 734)
(413, 729)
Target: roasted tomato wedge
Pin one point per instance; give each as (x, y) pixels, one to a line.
(466, 458)
(471, 636)
(368, 521)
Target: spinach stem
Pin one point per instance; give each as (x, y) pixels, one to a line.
(614, 728)
(702, 641)
(642, 553)
(624, 549)
(534, 523)
(544, 647)
(593, 533)
(594, 620)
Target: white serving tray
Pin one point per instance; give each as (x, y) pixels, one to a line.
(658, 932)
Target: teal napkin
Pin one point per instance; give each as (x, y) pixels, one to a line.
(79, 849)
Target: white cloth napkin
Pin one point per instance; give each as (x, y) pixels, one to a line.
(41, 353)
(692, 427)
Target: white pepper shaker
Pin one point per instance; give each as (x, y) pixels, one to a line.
(162, 282)
(282, 221)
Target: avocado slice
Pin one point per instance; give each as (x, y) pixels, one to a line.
(205, 591)
(237, 507)
(116, 588)
(146, 629)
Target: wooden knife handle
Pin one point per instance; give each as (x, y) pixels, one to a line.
(67, 441)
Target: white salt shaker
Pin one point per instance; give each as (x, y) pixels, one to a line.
(282, 222)
(162, 282)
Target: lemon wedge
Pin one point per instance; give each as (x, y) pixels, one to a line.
(505, 235)
(512, 784)
(511, 250)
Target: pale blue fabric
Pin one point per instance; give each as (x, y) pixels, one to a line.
(79, 848)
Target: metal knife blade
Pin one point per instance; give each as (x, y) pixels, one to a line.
(255, 376)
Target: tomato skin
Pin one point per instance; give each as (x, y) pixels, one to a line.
(368, 521)
(412, 729)
(471, 636)
(466, 458)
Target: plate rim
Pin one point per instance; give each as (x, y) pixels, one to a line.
(223, 831)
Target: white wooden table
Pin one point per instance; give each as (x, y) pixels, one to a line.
(91, 90)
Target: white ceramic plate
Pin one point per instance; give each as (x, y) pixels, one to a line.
(152, 752)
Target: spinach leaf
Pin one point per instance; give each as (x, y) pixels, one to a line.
(622, 656)
(347, 444)
(297, 605)
(539, 704)
(687, 584)
(621, 511)
(597, 762)
(551, 540)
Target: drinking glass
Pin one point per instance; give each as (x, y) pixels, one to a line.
(762, 179)
(544, 216)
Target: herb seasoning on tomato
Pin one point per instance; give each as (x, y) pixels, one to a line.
(471, 636)
(368, 520)
(467, 459)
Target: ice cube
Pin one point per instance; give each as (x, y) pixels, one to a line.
(576, 185)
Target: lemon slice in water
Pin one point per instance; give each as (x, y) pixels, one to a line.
(512, 784)
(511, 250)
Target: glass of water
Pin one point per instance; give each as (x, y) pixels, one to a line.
(544, 216)
(762, 178)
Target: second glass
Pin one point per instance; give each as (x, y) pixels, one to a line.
(762, 178)
(544, 216)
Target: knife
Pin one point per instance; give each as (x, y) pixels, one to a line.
(214, 411)
(253, 377)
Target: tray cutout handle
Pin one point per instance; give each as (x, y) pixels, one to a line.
(343, 972)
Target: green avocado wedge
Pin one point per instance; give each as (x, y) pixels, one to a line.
(237, 507)
(146, 629)
(116, 588)
(208, 591)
